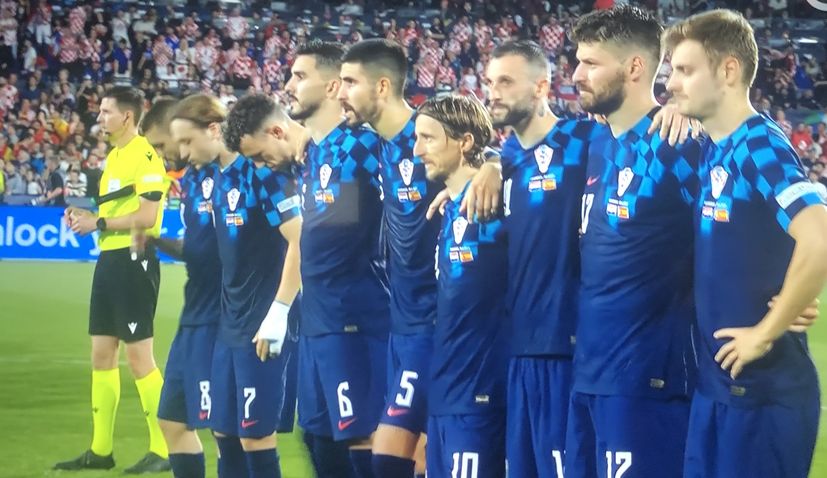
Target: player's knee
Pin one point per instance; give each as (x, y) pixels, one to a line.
(394, 441)
(360, 443)
(255, 444)
(173, 431)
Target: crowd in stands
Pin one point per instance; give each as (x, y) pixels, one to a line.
(57, 58)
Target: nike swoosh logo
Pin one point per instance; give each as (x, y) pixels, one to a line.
(591, 180)
(345, 423)
(395, 412)
(248, 423)
(203, 415)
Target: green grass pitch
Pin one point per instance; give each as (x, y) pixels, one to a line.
(44, 374)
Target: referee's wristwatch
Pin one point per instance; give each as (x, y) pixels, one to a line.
(101, 223)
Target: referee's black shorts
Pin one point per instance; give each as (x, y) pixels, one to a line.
(124, 295)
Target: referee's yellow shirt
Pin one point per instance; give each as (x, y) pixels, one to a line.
(137, 168)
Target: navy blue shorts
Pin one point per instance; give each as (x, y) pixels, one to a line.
(770, 441)
(342, 380)
(185, 397)
(632, 437)
(467, 446)
(290, 355)
(539, 390)
(247, 394)
(409, 359)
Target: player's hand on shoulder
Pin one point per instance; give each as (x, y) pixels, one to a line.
(805, 319)
(482, 200)
(438, 204)
(674, 127)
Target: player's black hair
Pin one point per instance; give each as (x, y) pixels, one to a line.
(127, 98)
(381, 57)
(159, 114)
(327, 54)
(621, 25)
(529, 50)
(247, 117)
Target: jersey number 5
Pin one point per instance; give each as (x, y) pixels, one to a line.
(405, 383)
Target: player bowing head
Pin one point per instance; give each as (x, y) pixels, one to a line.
(196, 129)
(260, 129)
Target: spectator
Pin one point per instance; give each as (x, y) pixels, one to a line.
(75, 184)
(801, 138)
(93, 171)
(15, 182)
(33, 186)
(786, 126)
(54, 190)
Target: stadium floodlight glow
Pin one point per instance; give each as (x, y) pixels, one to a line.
(809, 41)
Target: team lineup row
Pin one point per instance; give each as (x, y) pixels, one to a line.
(605, 303)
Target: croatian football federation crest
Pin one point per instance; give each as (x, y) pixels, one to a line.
(206, 187)
(718, 177)
(232, 198)
(624, 179)
(543, 155)
(406, 169)
(324, 175)
(459, 226)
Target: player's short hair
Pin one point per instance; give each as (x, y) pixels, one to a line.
(247, 116)
(328, 54)
(159, 114)
(200, 109)
(527, 49)
(621, 25)
(381, 57)
(722, 33)
(127, 98)
(460, 115)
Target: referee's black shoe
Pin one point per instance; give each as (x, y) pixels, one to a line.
(88, 461)
(150, 463)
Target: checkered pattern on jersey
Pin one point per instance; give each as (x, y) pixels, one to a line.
(278, 194)
(761, 162)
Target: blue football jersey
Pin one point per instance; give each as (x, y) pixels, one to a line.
(249, 205)
(202, 292)
(542, 190)
(344, 286)
(470, 354)
(752, 186)
(636, 312)
(410, 237)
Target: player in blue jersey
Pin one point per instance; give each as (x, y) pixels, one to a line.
(760, 226)
(257, 223)
(345, 312)
(544, 169)
(633, 363)
(185, 398)
(466, 427)
(373, 80)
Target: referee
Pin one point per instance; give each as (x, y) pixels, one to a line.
(124, 291)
